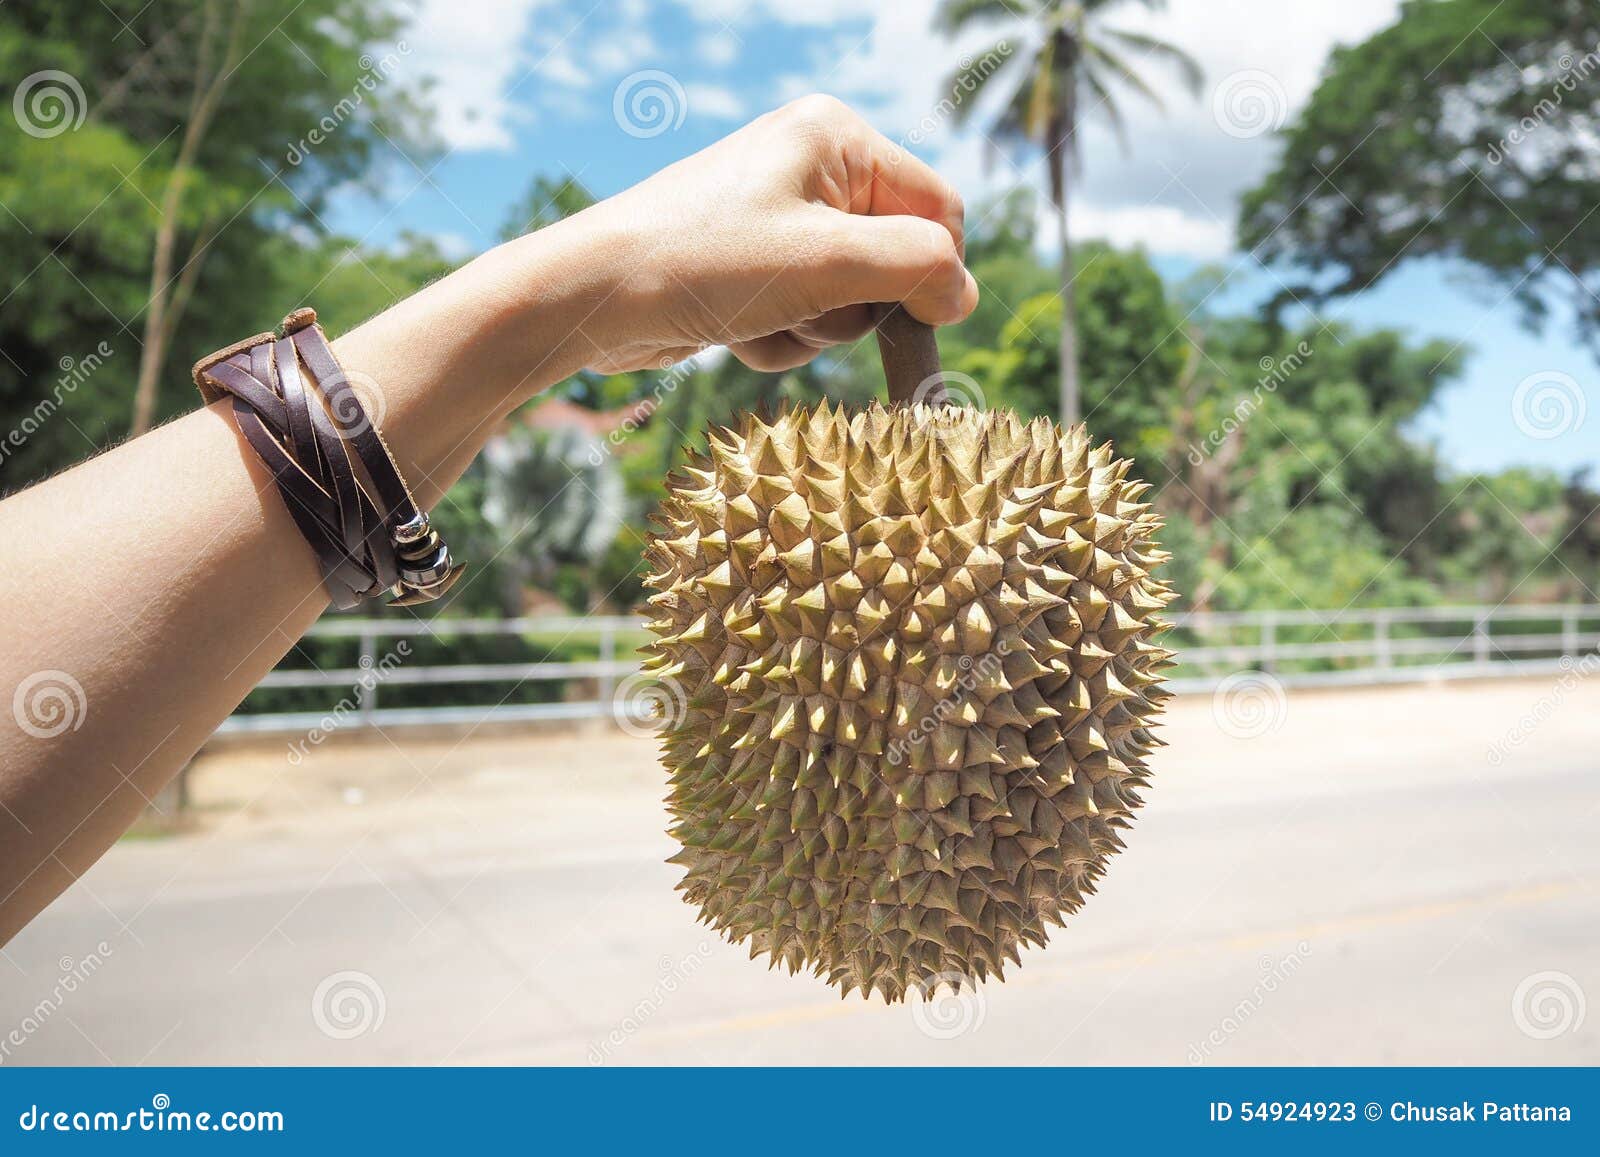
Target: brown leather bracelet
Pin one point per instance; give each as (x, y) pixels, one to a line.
(294, 404)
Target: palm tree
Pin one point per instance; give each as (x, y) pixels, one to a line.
(1073, 66)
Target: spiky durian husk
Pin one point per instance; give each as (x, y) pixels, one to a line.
(913, 652)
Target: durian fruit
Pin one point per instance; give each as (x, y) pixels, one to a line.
(914, 651)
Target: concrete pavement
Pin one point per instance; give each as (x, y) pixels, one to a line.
(1364, 882)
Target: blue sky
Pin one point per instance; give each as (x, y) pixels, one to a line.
(530, 87)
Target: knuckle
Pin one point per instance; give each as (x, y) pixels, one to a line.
(817, 109)
(937, 249)
(958, 206)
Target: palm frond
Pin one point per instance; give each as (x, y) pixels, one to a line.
(1097, 56)
(968, 82)
(1106, 102)
(1189, 71)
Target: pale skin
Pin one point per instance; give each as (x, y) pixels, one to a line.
(166, 577)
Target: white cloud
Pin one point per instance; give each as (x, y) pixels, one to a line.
(714, 101)
(1181, 177)
(474, 54)
(727, 13)
(624, 49)
(719, 48)
(557, 68)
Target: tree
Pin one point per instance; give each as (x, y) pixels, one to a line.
(191, 168)
(1073, 67)
(1465, 130)
(547, 201)
(1128, 340)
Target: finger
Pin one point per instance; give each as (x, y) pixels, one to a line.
(837, 326)
(905, 259)
(774, 353)
(903, 184)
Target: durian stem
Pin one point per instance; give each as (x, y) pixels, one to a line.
(910, 355)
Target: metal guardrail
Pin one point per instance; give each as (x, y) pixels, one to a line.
(1299, 648)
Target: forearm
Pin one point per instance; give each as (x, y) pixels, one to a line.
(166, 577)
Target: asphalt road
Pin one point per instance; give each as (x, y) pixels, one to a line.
(1363, 883)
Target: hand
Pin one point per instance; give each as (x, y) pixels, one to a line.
(775, 241)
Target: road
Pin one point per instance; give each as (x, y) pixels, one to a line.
(1363, 882)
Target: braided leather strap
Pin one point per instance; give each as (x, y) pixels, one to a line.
(295, 405)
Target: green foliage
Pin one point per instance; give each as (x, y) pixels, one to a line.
(84, 202)
(1129, 341)
(1466, 130)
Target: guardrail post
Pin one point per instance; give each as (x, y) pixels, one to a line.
(1380, 627)
(367, 689)
(608, 655)
(1480, 639)
(1269, 641)
(1569, 633)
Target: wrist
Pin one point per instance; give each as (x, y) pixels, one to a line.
(445, 366)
